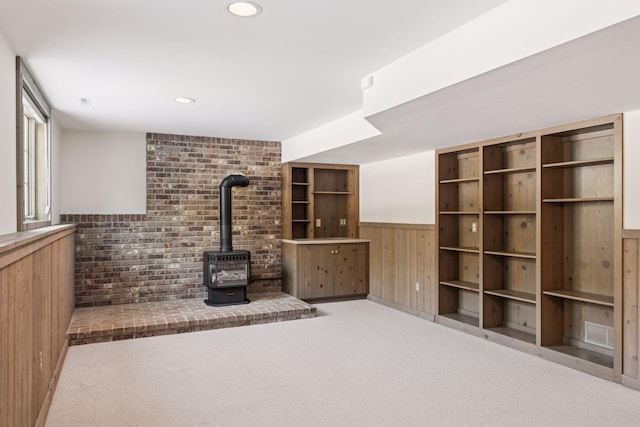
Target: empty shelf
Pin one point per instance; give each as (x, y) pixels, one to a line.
(514, 295)
(581, 296)
(469, 286)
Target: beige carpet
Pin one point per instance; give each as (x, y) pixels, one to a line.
(357, 364)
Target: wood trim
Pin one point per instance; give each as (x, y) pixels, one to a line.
(322, 165)
(613, 118)
(398, 225)
(617, 251)
(28, 82)
(19, 143)
(630, 234)
(33, 225)
(631, 328)
(630, 382)
(11, 241)
(427, 316)
(16, 246)
(465, 147)
(518, 137)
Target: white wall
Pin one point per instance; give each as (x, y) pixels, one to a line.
(8, 192)
(103, 173)
(7, 138)
(631, 170)
(399, 190)
(383, 200)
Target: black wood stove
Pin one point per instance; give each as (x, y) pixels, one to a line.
(227, 273)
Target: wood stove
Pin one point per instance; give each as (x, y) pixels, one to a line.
(227, 273)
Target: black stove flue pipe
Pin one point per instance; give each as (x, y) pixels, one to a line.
(225, 208)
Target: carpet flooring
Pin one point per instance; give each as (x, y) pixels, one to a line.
(357, 363)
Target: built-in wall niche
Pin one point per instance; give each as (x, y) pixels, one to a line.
(319, 200)
(529, 241)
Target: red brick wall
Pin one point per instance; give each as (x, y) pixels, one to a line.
(158, 256)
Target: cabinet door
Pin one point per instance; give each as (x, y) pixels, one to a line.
(350, 269)
(316, 271)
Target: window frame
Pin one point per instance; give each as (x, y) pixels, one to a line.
(26, 86)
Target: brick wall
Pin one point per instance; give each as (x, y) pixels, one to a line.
(158, 256)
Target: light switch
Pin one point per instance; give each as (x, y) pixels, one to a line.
(318, 222)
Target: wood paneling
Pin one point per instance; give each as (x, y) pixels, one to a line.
(36, 305)
(631, 293)
(401, 256)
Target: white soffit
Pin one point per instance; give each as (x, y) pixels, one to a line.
(590, 76)
(513, 31)
(343, 131)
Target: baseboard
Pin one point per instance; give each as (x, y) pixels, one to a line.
(630, 382)
(334, 299)
(412, 311)
(46, 404)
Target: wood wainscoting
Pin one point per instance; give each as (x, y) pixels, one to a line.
(36, 305)
(631, 296)
(401, 259)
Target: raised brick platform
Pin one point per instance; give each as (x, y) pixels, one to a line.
(126, 321)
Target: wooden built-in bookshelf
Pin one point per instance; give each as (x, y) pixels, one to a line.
(319, 201)
(529, 241)
(458, 230)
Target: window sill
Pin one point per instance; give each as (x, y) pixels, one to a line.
(33, 224)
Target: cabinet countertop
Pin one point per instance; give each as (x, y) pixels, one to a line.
(325, 241)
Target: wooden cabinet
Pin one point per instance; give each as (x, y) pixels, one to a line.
(326, 268)
(322, 257)
(529, 241)
(319, 201)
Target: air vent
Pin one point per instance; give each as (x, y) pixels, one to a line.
(599, 335)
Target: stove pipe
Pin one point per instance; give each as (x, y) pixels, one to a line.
(225, 208)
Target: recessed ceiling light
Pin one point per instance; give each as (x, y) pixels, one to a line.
(244, 8)
(185, 100)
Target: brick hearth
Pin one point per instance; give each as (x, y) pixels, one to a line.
(127, 321)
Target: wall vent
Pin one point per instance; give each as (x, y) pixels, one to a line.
(599, 335)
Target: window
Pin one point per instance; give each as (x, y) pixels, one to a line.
(33, 153)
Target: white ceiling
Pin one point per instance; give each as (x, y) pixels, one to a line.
(296, 66)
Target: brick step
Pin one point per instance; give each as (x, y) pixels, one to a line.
(128, 321)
